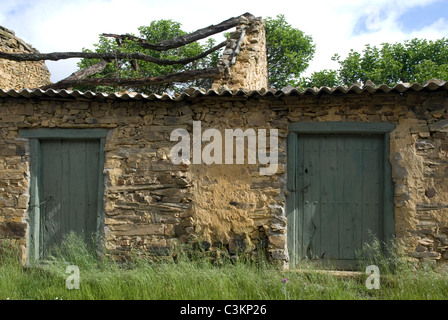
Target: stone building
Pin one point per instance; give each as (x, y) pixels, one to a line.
(19, 75)
(344, 164)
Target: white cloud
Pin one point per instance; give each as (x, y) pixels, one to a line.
(71, 25)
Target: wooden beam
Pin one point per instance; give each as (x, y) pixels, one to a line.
(84, 73)
(172, 77)
(188, 38)
(238, 46)
(103, 56)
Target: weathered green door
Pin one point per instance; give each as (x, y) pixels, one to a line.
(68, 189)
(341, 195)
(66, 186)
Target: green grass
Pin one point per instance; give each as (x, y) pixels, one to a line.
(196, 278)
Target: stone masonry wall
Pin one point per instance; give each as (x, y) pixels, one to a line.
(249, 70)
(20, 75)
(152, 204)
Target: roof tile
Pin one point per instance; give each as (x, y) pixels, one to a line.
(193, 93)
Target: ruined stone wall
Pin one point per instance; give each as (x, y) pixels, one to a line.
(249, 71)
(152, 204)
(20, 75)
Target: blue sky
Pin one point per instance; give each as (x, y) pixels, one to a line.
(336, 26)
(418, 17)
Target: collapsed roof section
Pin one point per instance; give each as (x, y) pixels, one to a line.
(232, 49)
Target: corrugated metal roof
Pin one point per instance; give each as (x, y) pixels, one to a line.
(192, 93)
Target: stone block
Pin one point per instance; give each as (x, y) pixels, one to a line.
(278, 241)
(137, 229)
(278, 255)
(426, 255)
(237, 245)
(11, 175)
(13, 118)
(436, 103)
(424, 145)
(12, 230)
(439, 126)
(185, 119)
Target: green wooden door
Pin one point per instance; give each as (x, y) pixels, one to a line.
(69, 187)
(339, 195)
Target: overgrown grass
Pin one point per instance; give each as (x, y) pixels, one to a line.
(195, 278)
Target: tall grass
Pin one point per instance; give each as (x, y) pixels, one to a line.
(194, 276)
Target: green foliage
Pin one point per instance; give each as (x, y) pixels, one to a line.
(157, 31)
(415, 60)
(289, 51)
(322, 78)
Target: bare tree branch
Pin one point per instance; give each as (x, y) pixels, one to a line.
(188, 38)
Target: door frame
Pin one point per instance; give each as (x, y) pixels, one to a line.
(35, 165)
(387, 222)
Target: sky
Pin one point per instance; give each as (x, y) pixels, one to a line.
(335, 26)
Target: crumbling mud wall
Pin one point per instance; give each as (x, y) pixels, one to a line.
(20, 75)
(151, 204)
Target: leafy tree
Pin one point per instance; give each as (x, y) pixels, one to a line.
(157, 31)
(289, 51)
(415, 60)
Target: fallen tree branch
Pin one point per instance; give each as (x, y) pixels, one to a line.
(172, 77)
(188, 38)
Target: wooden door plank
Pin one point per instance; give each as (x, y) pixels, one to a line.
(51, 193)
(329, 218)
(77, 192)
(65, 188)
(356, 181)
(306, 194)
(292, 201)
(351, 187)
(35, 234)
(301, 182)
(339, 191)
(371, 189)
(314, 192)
